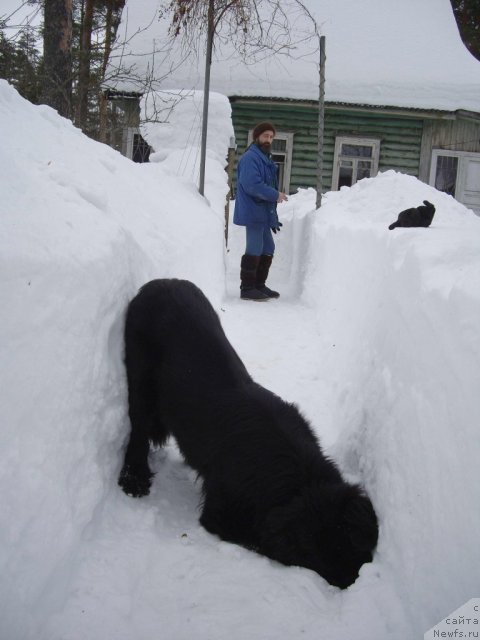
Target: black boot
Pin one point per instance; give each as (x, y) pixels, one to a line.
(262, 275)
(248, 278)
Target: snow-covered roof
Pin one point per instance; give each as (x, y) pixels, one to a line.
(379, 52)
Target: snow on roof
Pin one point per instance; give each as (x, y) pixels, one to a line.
(379, 52)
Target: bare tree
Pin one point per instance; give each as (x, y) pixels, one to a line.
(99, 60)
(256, 28)
(145, 80)
(82, 56)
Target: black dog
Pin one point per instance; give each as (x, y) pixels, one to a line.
(421, 216)
(266, 483)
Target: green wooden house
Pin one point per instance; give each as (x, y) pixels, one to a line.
(406, 99)
(441, 148)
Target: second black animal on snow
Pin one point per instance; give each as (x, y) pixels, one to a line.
(421, 216)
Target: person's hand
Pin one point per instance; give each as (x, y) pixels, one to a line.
(282, 197)
(277, 228)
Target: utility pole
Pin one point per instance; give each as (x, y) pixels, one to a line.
(206, 91)
(321, 121)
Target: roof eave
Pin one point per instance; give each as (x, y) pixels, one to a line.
(387, 109)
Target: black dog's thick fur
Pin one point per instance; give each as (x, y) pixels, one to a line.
(266, 484)
(421, 216)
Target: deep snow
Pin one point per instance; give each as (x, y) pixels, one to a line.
(378, 52)
(376, 337)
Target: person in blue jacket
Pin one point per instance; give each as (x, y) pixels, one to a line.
(256, 209)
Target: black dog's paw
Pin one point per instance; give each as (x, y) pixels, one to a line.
(134, 482)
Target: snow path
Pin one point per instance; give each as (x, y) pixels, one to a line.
(375, 337)
(279, 340)
(260, 332)
(159, 574)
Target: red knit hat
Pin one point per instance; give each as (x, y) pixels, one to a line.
(260, 128)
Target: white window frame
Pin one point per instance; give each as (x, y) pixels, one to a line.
(287, 171)
(364, 142)
(461, 167)
(127, 141)
(467, 197)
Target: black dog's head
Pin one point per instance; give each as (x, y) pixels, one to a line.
(332, 530)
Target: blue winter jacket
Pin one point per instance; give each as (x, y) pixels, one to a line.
(257, 189)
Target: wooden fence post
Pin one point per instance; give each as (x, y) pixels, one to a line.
(321, 121)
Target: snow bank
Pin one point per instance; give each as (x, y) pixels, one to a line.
(376, 337)
(398, 312)
(82, 229)
(176, 136)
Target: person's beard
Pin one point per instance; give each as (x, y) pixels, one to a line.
(266, 147)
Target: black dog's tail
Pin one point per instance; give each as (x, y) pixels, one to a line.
(393, 225)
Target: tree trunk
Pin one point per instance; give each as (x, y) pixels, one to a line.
(114, 13)
(84, 64)
(57, 51)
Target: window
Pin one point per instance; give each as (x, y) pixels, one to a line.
(134, 146)
(458, 174)
(141, 149)
(355, 159)
(282, 148)
(446, 172)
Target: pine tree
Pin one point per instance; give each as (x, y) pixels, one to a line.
(7, 58)
(27, 66)
(19, 63)
(467, 15)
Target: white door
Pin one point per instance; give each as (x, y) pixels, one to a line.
(469, 183)
(457, 173)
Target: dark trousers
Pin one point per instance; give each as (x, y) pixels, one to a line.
(259, 240)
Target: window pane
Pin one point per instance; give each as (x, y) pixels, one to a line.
(141, 149)
(363, 169)
(446, 174)
(279, 145)
(345, 175)
(356, 150)
(279, 160)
